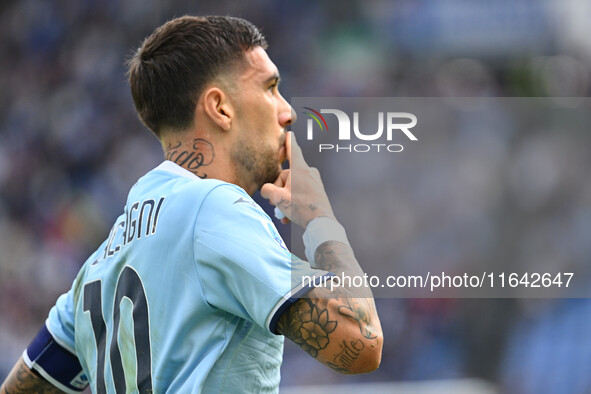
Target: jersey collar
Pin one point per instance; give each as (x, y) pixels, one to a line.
(174, 168)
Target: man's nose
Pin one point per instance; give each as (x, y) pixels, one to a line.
(287, 115)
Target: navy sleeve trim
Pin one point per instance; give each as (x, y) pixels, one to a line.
(294, 296)
(55, 363)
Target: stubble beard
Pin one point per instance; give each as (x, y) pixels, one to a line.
(257, 163)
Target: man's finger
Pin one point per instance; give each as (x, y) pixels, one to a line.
(269, 191)
(294, 152)
(274, 193)
(282, 178)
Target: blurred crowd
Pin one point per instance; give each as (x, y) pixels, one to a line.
(71, 146)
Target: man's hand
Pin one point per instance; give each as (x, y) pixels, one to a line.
(340, 327)
(309, 200)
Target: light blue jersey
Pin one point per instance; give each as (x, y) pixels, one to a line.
(185, 293)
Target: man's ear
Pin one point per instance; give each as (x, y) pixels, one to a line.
(218, 108)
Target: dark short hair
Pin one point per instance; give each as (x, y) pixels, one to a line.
(168, 72)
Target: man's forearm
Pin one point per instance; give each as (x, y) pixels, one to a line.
(338, 258)
(337, 325)
(22, 380)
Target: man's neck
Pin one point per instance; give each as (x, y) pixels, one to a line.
(205, 157)
(196, 155)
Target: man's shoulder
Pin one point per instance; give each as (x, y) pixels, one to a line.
(187, 190)
(215, 192)
(171, 179)
(184, 182)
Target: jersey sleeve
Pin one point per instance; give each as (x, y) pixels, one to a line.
(60, 321)
(242, 262)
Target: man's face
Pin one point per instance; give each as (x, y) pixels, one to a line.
(262, 115)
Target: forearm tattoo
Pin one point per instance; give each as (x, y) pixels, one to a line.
(337, 257)
(350, 352)
(308, 325)
(200, 154)
(359, 309)
(23, 380)
(312, 322)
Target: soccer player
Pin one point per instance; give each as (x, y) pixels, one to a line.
(193, 290)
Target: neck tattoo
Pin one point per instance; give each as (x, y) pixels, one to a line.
(193, 157)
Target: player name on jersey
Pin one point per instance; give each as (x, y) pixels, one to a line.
(141, 219)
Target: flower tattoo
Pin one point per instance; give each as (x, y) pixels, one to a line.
(309, 327)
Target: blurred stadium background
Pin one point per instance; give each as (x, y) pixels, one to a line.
(71, 146)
